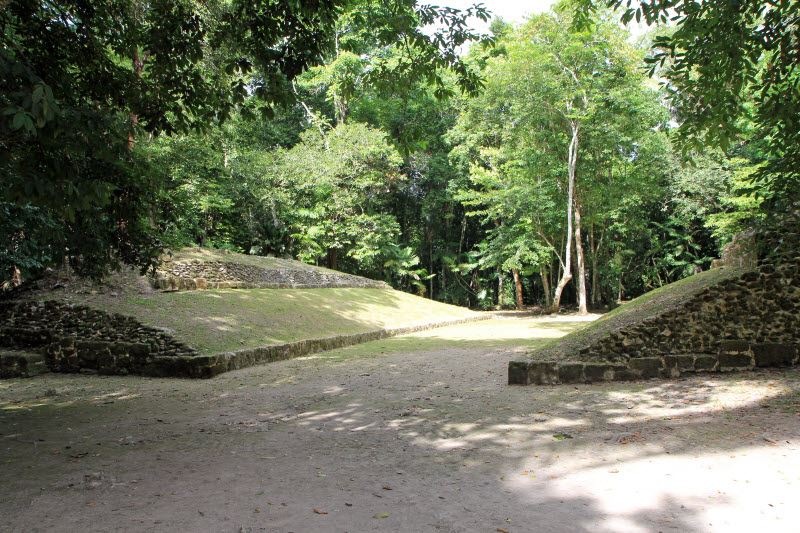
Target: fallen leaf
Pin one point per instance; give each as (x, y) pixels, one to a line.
(562, 436)
(319, 511)
(501, 530)
(381, 515)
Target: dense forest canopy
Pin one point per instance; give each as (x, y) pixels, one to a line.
(556, 161)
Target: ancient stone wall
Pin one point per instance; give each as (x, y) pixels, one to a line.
(80, 339)
(745, 322)
(76, 338)
(192, 275)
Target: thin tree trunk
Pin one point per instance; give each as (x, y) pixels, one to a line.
(518, 288)
(566, 275)
(138, 65)
(430, 264)
(594, 291)
(582, 308)
(499, 288)
(545, 286)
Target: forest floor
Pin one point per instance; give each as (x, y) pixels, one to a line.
(412, 433)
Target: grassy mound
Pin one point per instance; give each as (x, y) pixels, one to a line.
(221, 320)
(222, 269)
(647, 306)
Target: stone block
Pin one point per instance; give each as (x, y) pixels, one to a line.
(734, 347)
(774, 354)
(685, 362)
(732, 361)
(706, 363)
(543, 373)
(570, 372)
(598, 371)
(624, 373)
(518, 373)
(13, 366)
(646, 367)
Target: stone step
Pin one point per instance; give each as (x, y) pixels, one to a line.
(732, 356)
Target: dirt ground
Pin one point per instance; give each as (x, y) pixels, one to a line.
(416, 433)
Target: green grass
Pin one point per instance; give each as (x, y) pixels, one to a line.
(486, 335)
(221, 320)
(646, 306)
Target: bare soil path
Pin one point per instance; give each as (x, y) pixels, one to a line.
(415, 433)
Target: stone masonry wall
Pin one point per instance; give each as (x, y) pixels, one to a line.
(192, 275)
(80, 339)
(76, 338)
(745, 322)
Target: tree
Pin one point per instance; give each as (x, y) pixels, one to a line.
(81, 82)
(551, 122)
(730, 70)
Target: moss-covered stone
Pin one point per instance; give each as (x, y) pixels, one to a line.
(570, 372)
(735, 361)
(774, 354)
(543, 373)
(646, 367)
(706, 363)
(518, 373)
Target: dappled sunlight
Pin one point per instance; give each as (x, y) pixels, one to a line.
(665, 401)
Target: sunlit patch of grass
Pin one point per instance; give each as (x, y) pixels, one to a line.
(214, 321)
(488, 334)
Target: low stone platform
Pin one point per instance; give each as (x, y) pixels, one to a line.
(72, 338)
(201, 275)
(19, 364)
(733, 355)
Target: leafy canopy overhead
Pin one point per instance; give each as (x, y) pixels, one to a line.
(718, 57)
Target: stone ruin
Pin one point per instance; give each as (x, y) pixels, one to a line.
(75, 338)
(745, 322)
(198, 275)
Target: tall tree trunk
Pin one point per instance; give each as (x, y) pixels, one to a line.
(518, 288)
(572, 158)
(582, 308)
(333, 258)
(499, 288)
(594, 291)
(138, 65)
(545, 286)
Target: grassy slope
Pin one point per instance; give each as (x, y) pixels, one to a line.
(222, 320)
(646, 306)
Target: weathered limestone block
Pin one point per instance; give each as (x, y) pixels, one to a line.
(646, 367)
(599, 371)
(735, 361)
(543, 373)
(570, 373)
(706, 363)
(734, 347)
(13, 366)
(774, 354)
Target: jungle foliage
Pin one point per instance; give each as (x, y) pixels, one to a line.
(548, 161)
